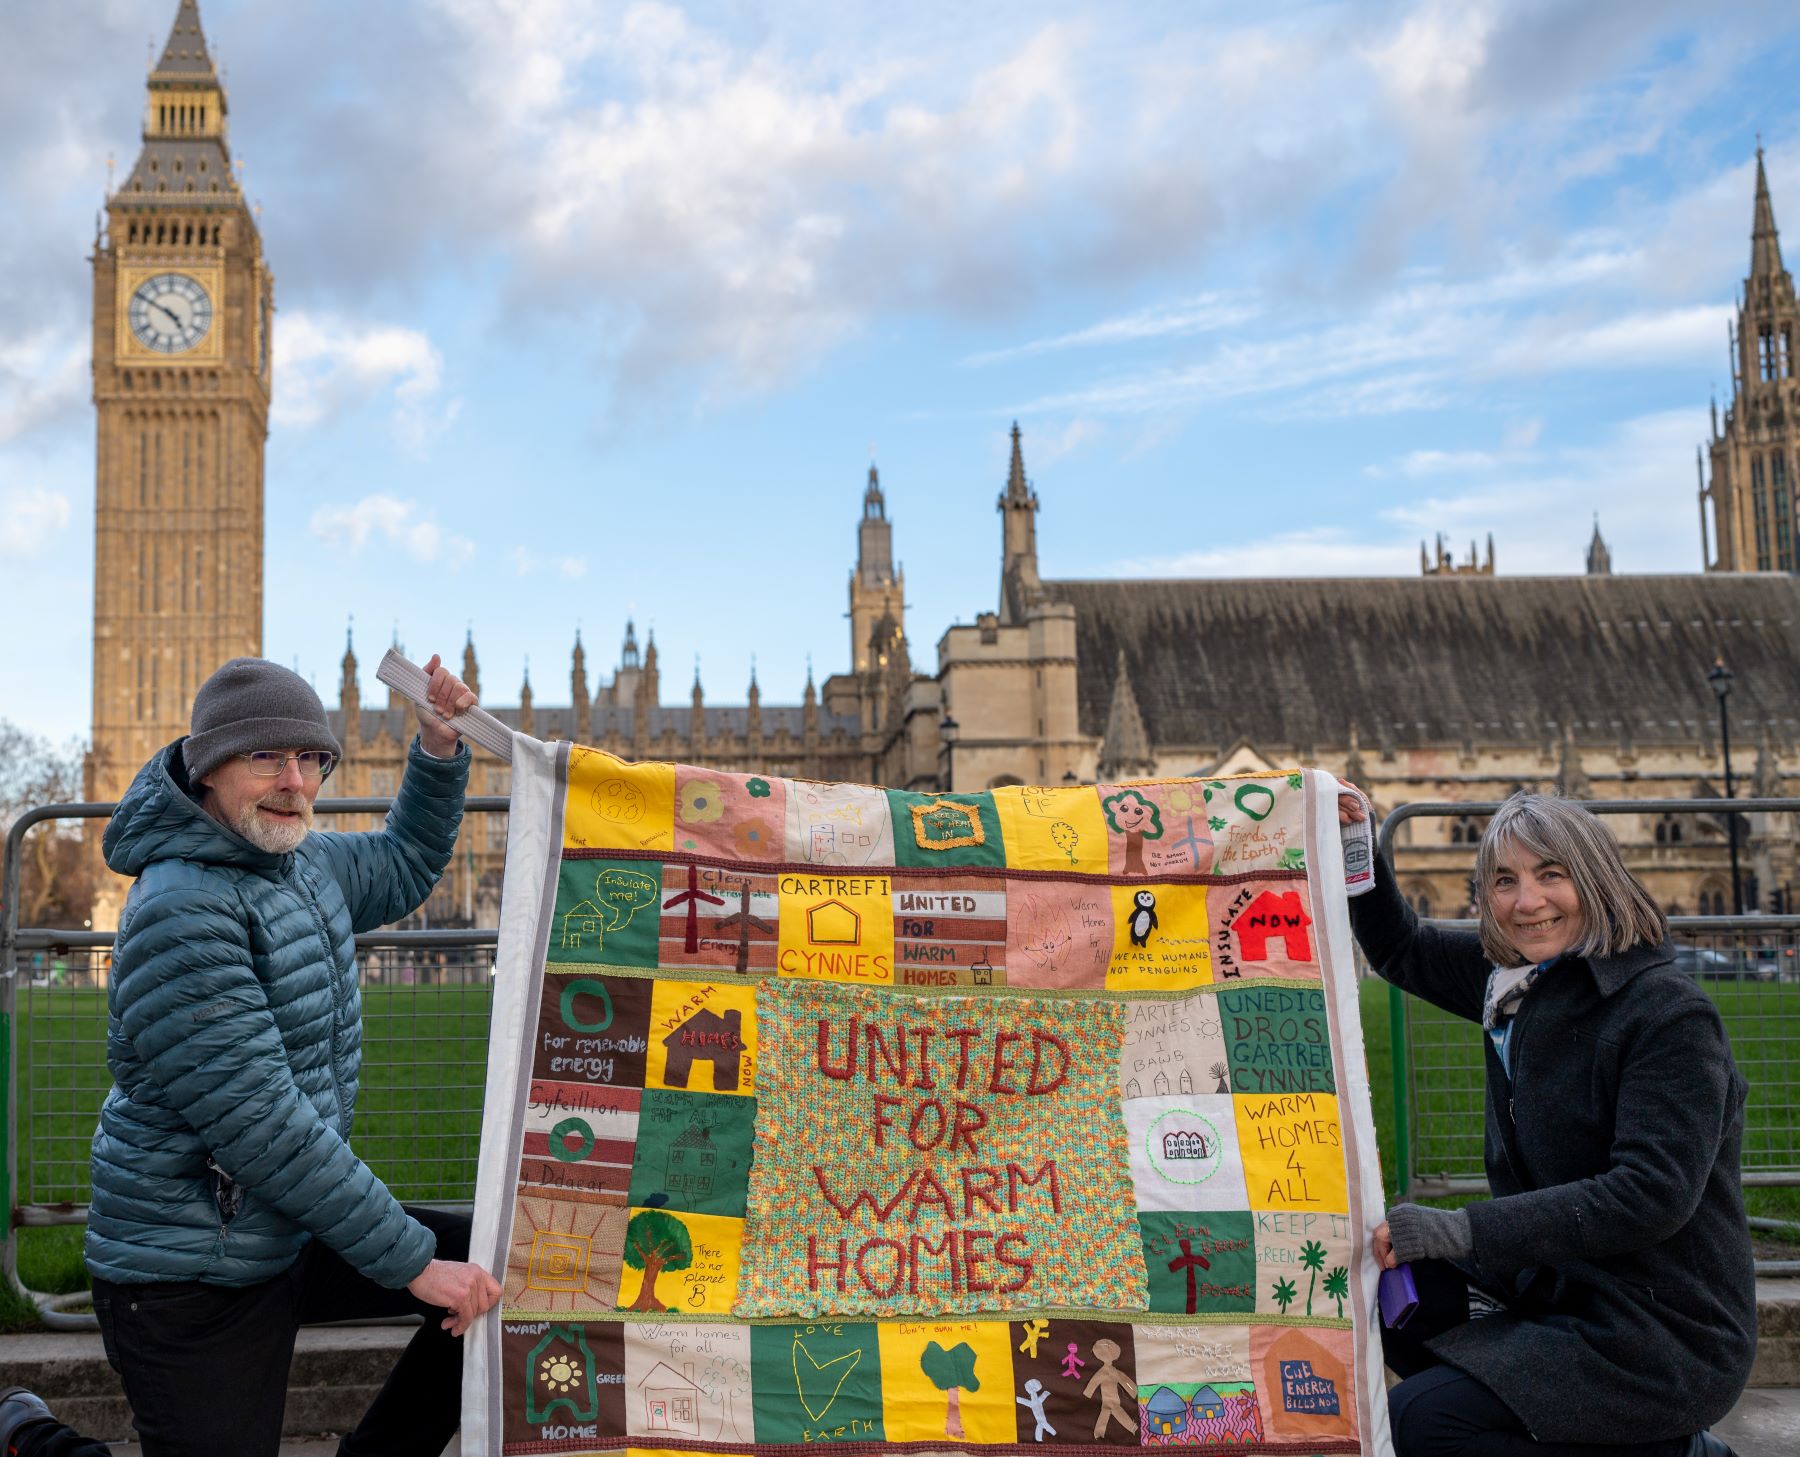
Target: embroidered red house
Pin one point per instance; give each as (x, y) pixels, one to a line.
(1272, 917)
(706, 1037)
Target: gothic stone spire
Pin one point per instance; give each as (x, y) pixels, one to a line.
(1125, 750)
(1765, 240)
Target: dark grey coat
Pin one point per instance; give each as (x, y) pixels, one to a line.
(1617, 1228)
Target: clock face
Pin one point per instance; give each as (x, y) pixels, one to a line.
(170, 313)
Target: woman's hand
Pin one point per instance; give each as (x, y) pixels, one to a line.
(1383, 1246)
(1351, 802)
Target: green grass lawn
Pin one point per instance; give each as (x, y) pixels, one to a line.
(419, 1116)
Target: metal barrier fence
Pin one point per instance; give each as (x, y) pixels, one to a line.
(1749, 965)
(426, 997)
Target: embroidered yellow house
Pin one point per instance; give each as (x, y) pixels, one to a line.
(582, 921)
(832, 923)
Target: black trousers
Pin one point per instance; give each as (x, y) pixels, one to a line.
(205, 1367)
(1438, 1411)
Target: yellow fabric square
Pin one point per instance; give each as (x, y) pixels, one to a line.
(1293, 1151)
(1160, 938)
(837, 926)
(702, 1037)
(914, 1408)
(692, 1270)
(1052, 828)
(616, 805)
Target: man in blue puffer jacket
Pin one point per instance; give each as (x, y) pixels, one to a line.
(228, 1207)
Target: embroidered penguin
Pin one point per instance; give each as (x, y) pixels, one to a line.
(1143, 919)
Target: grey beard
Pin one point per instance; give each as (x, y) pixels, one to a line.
(274, 838)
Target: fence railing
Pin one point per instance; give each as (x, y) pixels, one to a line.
(426, 998)
(1749, 966)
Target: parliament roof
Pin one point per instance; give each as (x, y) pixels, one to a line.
(1440, 661)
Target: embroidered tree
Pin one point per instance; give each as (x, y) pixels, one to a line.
(654, 1242)
(1337, 1286)
(1312, 1255)
(1284, 1293)
(951, 1371)
(1129, 814)
(1218, 1070)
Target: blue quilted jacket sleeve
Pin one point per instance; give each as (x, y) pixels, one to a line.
(189, 1003)
(387, 874)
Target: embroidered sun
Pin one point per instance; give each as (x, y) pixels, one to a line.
(559, 1373)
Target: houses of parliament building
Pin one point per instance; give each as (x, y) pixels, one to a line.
(1459, 684)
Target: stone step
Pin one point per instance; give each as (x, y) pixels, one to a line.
(1777, 1334)
(336, 1373)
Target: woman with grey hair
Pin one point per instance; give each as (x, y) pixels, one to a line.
(1604, 1296)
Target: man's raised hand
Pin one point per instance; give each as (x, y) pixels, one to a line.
(446, 695)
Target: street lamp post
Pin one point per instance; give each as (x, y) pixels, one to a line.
(947, 730)
(1720, 680)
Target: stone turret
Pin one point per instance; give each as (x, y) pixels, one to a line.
(1125, 749)
(697, 717)
(471, 673)
(578, 693)
(753, 719)
(1018, 506)
(1599, 556)
(350, 697)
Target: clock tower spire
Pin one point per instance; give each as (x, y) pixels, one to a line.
(182, 306)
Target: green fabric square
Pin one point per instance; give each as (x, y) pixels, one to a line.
(948, 829)
(607, 911)
(1209, 1258)
(816, 1383)
(1277, 1039)
(693, 1152)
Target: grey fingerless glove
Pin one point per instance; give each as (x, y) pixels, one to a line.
(1419, 1232)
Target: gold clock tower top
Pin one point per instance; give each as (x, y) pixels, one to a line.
(183, 312)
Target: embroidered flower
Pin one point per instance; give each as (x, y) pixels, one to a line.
(755, 840)
(759, 788)
(702, 802)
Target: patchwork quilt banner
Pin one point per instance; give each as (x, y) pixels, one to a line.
(821, 1114)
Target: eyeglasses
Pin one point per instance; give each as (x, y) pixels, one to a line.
(272, 763)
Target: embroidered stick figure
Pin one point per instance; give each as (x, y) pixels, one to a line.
(1035, 1331)
(1111, 1381)
(1072, 1363)
(1033, 1402)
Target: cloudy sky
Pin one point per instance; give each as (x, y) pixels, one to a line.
(590, 309)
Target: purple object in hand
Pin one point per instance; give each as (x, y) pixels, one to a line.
(1399, 1296)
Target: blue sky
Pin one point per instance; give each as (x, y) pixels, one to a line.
(591, 309)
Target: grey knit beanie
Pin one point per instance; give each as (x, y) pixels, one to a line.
(250, 704)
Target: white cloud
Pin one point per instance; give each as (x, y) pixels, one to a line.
(1638, 479)
(327, 364)
(400, 523)
(1318, 552)
(526, 564)
(29, 517)
(1205, 314)
(1547, 345)
(1418, 463)
(43, 377)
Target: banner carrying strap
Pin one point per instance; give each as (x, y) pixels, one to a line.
(477, 725)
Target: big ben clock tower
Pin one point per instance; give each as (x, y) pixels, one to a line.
(182, 309)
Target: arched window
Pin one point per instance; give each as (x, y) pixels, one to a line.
(1670, 830)
(1467, 830)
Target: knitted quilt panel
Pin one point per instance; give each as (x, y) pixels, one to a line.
(821, 1113)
